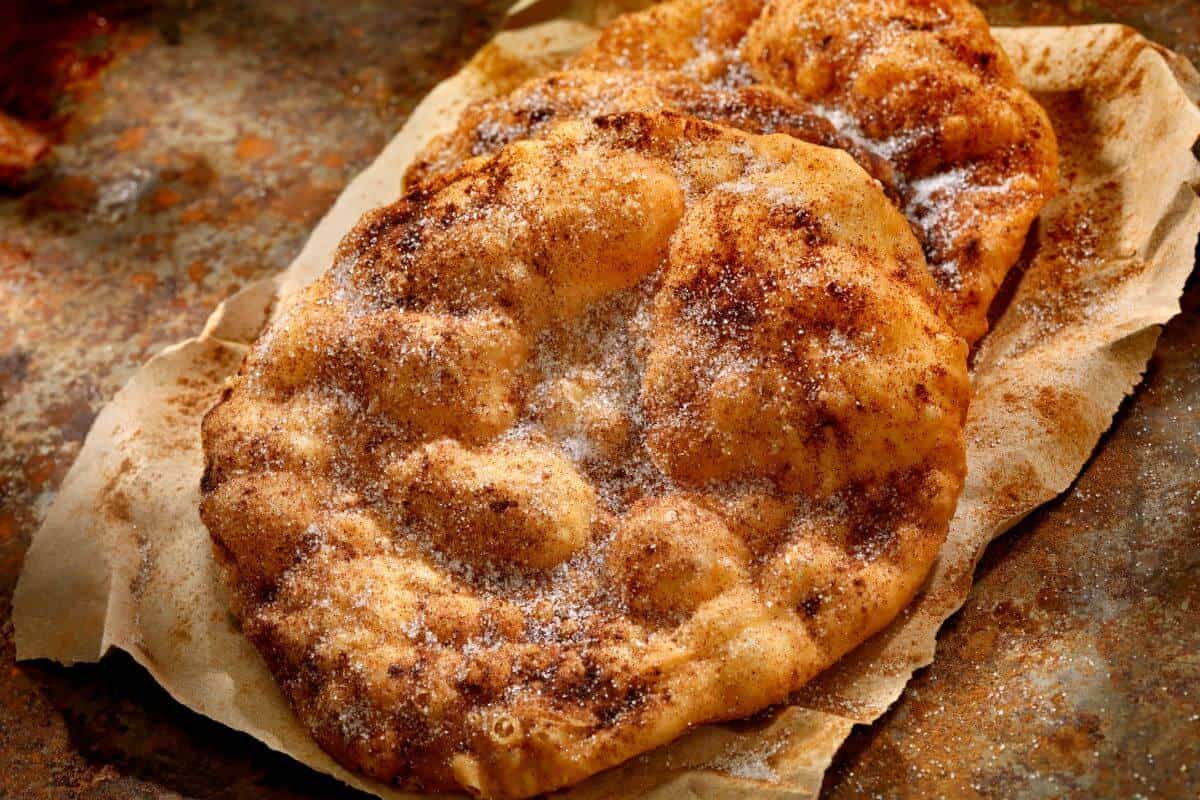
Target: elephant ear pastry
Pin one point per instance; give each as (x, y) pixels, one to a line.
(487, 125)
(920, 84)
(633, 425)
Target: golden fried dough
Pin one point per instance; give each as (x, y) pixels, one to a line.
(633, 425)
(916, 90)
(488, 125)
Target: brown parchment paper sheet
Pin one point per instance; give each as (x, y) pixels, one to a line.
(122, 559)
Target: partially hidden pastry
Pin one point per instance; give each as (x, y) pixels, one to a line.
(917, 90)
(635, 424)
(489, 124)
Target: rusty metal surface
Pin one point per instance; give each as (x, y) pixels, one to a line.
(199, 143)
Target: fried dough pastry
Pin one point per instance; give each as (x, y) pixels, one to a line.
(488, 125)
(917, 90)
(633, 425)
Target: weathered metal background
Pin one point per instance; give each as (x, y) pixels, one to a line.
(198, 142)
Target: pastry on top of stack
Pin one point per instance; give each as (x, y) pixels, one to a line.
(643, 405)
(633, 425)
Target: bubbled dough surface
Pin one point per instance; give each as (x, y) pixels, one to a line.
(632, 426)
(488, 125)
(919, 85)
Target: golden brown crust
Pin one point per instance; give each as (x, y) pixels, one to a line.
(918, 83)
(454, 485)
(488, 125)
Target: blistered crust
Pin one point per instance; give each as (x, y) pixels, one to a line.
(537, 476)
(488, 125)
(918, 84)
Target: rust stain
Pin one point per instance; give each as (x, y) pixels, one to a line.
(13, 255)
(194, 214)
(254, 148)
(333, 159)
(52, 57)
(195, 172)
(197, 271)
(145, 281)
(68, 193)
(131, 139)
(39, 469)
(304, 201)
(165, 198)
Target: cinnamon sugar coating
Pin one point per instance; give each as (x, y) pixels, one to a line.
(630, 426)
(488, 125)
(916, 90)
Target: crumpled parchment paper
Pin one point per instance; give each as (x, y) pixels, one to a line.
(123, 560)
